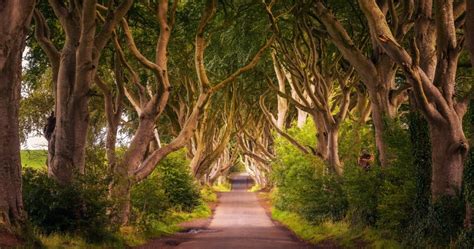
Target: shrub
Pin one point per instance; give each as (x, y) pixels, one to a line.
(440, 226)
(361, 188)
(398, 193)
(465, 240)
(177, 182)
(169, 187)
(303, 183)
(77, 208)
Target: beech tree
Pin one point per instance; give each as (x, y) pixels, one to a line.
(376, 70)
(15, 17)
(212, 136)
(319, 79)
(150, 101)
(432, 77)
(255, 142)
(74, 68)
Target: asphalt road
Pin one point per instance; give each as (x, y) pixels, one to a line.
(241, 223)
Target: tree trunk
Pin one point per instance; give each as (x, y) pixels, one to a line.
(119, 193)
(282, 102)
(333, 147)
(379, 127)
(469, 29)
(382, 107)
(76, 66)
(15, 18)
(448, 154)
(301, 118)
(321, 136)
(120, 187)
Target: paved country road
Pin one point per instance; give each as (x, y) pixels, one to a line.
(239, 223)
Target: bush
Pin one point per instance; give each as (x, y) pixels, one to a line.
(169, 187)
(361, 188)
(177, 182)
(398, 193)
(77, 208)
(465, 240)
(303, 183)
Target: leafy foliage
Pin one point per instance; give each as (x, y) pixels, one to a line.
(395, 200)
(302, 181)
(78, 208)
(170, 187)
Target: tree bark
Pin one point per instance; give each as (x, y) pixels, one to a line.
(15, 17)
(322, 135)
(447, 157)
(282, 110)
(469, 29)
(333, 147)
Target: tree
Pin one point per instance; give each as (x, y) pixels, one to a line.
(433, 86)
(74, 69)
(212, 137)
(322, 83)
(469, 29)
(376, 71)
(15, 17)
(150, 100)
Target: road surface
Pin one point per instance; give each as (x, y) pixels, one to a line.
(241, 223)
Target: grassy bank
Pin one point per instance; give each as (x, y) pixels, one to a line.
(133, 235)
(34, 158)
(336, 233)
(223, 187)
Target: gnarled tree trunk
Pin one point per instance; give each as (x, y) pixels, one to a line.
(74, 69)
(434, 91)
(15, 19)
(448, 154)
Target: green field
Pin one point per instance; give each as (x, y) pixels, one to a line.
(34, 158)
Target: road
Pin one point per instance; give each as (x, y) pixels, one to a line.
(240, 222)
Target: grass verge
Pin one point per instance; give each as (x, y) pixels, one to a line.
(255, 188)
(130, 236)
(223, 187)
(340, 233)
(134, 236)
(34, 158)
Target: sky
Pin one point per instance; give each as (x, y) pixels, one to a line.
(35, 143)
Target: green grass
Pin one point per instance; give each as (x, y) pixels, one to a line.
(34, 158)
(223, 187)
(208, 194)
(339, 232)
(60, 241)
(167, 226)
(130, 236)
(255, 188)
